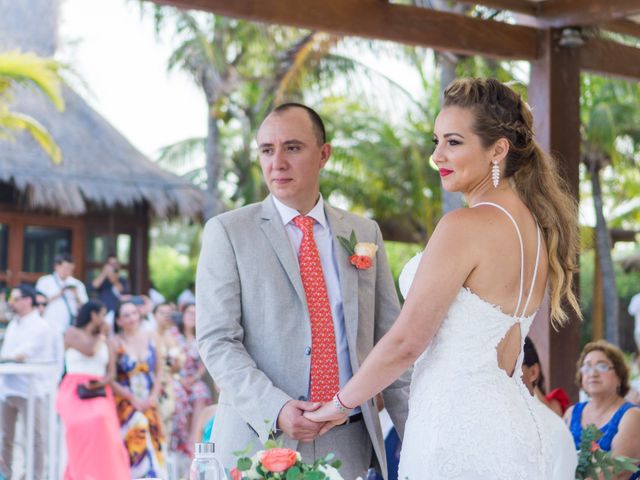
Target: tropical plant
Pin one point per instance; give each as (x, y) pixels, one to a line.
(609, 122)
(18, 68)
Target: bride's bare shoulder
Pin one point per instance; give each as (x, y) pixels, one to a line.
(464, 220)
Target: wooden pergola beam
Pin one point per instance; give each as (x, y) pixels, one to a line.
(623, 26)
(562, 13)
(610, 58)
(381, 20)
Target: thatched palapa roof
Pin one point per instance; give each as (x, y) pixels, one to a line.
(100, 169)
(99, 166)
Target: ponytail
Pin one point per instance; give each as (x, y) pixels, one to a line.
(500, 113)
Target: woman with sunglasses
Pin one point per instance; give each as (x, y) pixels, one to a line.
(604, 376)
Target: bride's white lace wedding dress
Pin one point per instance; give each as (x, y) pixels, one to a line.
(468, 419)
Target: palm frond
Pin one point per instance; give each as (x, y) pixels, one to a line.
(31, 69)
(16, 121)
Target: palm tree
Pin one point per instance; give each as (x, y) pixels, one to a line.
(25, 68)
(609, 114)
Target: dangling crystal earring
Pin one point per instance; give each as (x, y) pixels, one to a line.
(495, 174)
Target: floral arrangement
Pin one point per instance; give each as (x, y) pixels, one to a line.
(361, 254)
(593, 462)
(284, 464)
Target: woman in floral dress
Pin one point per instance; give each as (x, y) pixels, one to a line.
(192, 394)
(137, 389)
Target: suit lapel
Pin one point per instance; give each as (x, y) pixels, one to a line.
(276, 234)
(348, 274)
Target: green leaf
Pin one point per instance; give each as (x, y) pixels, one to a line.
(245, 452)
(347, 245)
(353, 240)
(337, 464)
(244, 464)
(314, 476)
(294, 473)
(269, 444)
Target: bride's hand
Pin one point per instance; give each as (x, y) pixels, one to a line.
(329, 415)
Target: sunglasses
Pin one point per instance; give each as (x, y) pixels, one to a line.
(40, 304)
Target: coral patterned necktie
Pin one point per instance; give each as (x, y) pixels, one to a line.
(325, 380)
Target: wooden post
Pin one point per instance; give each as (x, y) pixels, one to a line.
(554, 93)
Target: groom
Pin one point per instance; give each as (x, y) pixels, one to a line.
(283, 318)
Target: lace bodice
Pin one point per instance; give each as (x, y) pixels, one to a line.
(468, 419)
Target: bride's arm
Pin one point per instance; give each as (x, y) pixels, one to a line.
(446, 263)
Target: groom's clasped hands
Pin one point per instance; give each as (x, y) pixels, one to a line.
(306, 421)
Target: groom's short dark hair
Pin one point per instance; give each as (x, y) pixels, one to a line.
(316, 121)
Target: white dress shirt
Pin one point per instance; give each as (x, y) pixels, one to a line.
(32, 337)
(57, 313)
(324, 241)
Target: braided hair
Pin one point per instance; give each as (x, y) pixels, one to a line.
(499, 112)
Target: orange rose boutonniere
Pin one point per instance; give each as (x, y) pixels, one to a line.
(361, 254)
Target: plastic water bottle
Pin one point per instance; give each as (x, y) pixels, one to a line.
(205, 465)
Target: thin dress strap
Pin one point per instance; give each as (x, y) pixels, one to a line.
(535, 268)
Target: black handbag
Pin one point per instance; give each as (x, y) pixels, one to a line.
(86, 393)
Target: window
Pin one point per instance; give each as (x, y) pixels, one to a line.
(4, 246)
(41, 245)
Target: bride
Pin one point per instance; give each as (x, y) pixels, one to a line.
(473, 297)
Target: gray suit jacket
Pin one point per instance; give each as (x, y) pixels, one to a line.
(253, 326)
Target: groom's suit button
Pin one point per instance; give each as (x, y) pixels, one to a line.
(307, 351)
(302, 398)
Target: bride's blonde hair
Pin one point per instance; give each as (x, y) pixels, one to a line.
(499, 112)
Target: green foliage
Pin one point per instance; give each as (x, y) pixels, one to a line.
(594, 463)
(398, 255)
(252, 468)
(349, 244)
(42, 73)
(628, 284)
(381, 169)
(171, 272)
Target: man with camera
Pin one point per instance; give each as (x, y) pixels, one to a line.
(110, 285)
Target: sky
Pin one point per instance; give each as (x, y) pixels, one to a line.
(115, 53)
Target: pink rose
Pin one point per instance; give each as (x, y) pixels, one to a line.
(278, 460)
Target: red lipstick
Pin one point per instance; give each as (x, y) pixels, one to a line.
(445, 171)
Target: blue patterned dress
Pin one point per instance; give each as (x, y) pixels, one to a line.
(142, 431)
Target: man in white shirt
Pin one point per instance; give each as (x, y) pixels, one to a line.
(64, 292)
(28, 339)
(65, 295)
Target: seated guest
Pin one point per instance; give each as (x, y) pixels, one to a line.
(604, 376)
(192, 393)
(557, 400)
(94, 447)
(563, 456)
(28, 339)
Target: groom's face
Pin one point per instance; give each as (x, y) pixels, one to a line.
(291, 157)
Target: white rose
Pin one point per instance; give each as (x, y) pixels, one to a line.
(366, 249)
(330, 472)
